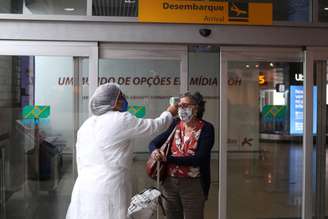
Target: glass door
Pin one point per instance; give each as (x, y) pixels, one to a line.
(203, 74)
(41, 94)
(261, 133)
(320, 176)
(149, 75)
(37, 117)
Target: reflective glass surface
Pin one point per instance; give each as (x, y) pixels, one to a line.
(265, 125)
(289, 10)
(323, 11)
(37, 135)
(123, 8)
(41, 7)
(320, 174)
(204, 68)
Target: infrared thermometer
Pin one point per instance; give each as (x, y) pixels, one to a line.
(174, 100)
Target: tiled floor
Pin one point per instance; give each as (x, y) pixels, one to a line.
(266, 187)
(259, 187)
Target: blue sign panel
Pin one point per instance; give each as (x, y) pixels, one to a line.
(296, 110)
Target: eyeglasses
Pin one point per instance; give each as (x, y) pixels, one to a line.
(185, 105)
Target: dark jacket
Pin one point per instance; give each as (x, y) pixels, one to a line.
(202, 157)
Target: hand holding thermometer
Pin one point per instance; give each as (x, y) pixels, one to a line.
(173, 107)
(174, 100)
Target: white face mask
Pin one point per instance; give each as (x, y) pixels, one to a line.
(185, 114)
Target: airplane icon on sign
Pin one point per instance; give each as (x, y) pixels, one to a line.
(236, 10)
(247, 141)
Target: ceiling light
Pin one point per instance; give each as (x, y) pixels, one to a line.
(271, 64)
(326, 9)
(69, 9)
(247, 66)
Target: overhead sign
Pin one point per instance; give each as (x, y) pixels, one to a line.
(205, 12)
(296, 76)
(36, 112)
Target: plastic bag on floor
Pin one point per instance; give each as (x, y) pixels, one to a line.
(144, 204)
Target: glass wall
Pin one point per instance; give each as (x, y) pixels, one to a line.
(11, 6)
(49, 7)
(265, 126)
(323, 11)
(37, 135)
(289, 10)
(203, 69)
(148, 83)
(320, 175)
(126, 8)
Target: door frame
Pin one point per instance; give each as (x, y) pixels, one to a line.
(319, 54)
(260, 54)
(51, 48)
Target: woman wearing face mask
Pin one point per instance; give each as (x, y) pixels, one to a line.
(104, 155)
(188, 163)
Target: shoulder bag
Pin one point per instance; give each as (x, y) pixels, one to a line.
(156, 168)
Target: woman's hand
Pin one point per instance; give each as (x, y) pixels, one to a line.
(158, 155)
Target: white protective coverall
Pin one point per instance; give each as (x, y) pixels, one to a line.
(104, 157)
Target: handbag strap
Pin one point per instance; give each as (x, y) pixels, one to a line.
(157, 177)
(165, 147)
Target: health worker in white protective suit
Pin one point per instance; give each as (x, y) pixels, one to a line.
(104, 155)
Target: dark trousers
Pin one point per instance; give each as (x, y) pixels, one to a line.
(185, 198)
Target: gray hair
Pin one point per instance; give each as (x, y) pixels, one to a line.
(197, 99)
